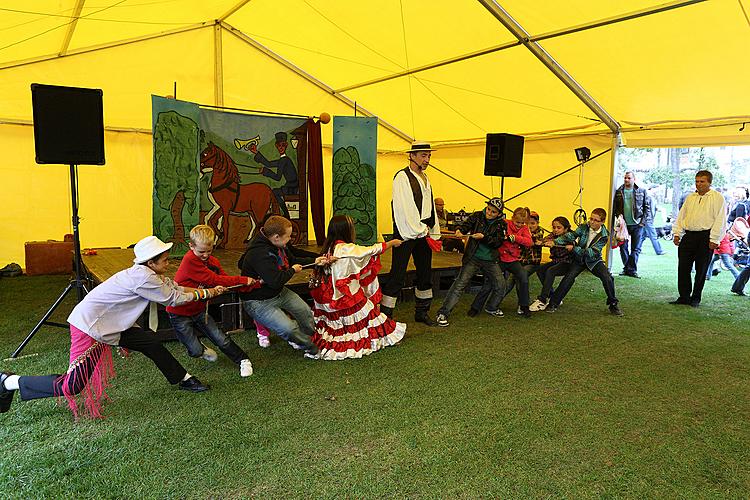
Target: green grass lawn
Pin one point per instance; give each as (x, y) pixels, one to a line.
(573, 404)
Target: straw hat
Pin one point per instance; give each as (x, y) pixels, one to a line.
(419, 146)
(148, 248)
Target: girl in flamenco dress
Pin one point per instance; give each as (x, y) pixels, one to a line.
(348, 321)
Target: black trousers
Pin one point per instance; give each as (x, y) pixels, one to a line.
(420, 251)
(135, 339)
(693, 249)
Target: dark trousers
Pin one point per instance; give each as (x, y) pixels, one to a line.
(547, 274)
(420, 251)
(521, 278)
(739, 283)
(630, 255)
(135, 339)
(599, 270)
(186, 327)
(693, 249)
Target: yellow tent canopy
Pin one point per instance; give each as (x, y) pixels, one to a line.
(563, 74)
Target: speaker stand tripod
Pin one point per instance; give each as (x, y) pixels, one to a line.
(78, 283)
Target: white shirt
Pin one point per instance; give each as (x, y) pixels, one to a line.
(406, 216)
(116, 304)
(701, 213)
(593, 234)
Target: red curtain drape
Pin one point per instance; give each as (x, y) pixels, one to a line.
(315, 179)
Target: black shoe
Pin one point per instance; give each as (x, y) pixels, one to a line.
(193, 385)
(388, 311)
(424, 318)
(525, 312)
(614, 309)
(715, 272)
(695, 303)
(6, 396)
(472, 312)
(634, 275)
(312, 350)
(740, 293)
(679, 302)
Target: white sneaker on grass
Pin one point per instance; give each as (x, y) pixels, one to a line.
(441, 320)
(498, 313)
(209, 354)
(264, 341)
(246, 368)
(537, 305)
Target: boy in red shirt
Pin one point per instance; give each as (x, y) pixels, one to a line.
(199, 269)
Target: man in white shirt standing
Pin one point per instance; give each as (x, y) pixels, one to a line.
(697, 231)
(414, 222)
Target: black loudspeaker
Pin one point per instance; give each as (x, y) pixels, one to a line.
(503, 155)
(68, 125)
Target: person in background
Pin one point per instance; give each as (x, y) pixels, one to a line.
(649, 231)
(697, 232)
(445, 218)
(632, 203)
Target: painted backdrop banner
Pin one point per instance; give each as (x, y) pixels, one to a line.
(227, 170)
(355, 142)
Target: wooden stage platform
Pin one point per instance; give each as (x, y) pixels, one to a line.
(109, 261)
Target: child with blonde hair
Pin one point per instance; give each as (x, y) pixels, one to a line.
(200, 269)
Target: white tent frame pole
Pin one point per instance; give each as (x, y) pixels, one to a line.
(523, 36)
(71, 27)
(218, 67)
(290, 66)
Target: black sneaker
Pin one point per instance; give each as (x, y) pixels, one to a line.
(6, 396)
(424, 318)
(551, 308)
(193, 385)
(472, 312)
(615, 310)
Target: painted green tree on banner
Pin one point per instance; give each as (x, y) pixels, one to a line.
(176, 176)
(354, 193)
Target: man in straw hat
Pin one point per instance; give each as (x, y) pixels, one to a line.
(414, 222)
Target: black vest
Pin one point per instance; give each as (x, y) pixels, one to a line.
(416, 191)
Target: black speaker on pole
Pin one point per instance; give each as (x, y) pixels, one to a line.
(68, 125)
(503, 155)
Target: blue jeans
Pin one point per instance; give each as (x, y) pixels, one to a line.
(511, 282)
(728, 262)
(629, 252)
(740, 281)
(599, 270)
(272, 313)
(492, 275)
(649, 231)
(185, 327)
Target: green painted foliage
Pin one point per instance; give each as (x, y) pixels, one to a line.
(354, 192)
(175, 159)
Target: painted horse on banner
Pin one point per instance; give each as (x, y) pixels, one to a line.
(254, 199)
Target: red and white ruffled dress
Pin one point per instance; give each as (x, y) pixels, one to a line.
(348, 321)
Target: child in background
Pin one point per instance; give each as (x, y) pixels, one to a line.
(725, 251)
(348, 320)
(559, 264)
(200, 269)
(485, 229)
(586, 243)
(107, 317)
(517, 235)
(268, 259)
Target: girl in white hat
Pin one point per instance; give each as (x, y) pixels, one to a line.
(107, 317)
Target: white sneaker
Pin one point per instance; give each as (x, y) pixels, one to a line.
(537, 305)
(497, 313)
(209, 354)
(441, 320)
(246, 368)
(264, 341)
(519, 311)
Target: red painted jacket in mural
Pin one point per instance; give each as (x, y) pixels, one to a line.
(510, 251)
(195, 273)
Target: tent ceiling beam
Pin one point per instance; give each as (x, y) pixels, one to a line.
(545, 58)
(614, 19)
(231, 11)
(471, 55)
(71, 27)
(536, 38)
(94, 48)
(218, 67)
(322, 86)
